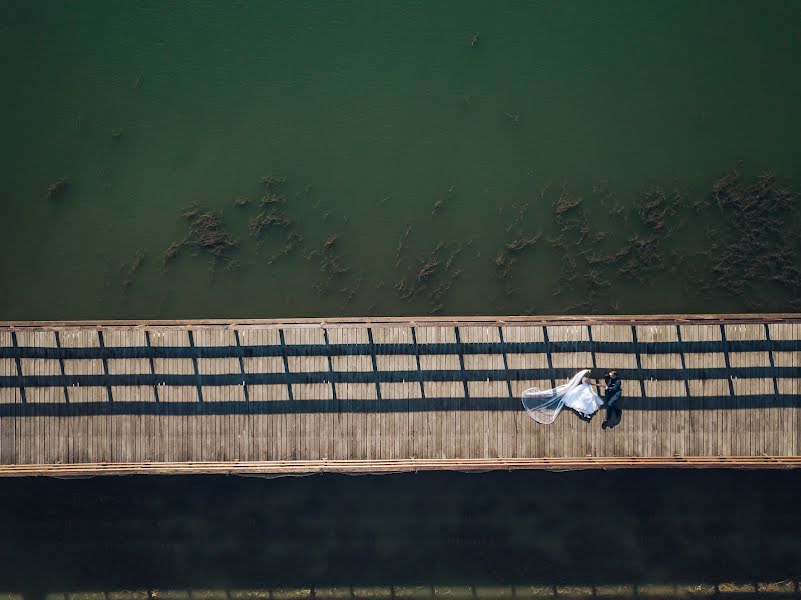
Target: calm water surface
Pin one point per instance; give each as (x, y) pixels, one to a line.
(375, 112)
(591, 528)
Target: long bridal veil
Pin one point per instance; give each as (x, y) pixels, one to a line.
(545, 405)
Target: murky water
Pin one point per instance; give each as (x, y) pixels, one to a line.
(463, 121)
(591, 528)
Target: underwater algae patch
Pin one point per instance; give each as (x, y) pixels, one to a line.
(741, 232)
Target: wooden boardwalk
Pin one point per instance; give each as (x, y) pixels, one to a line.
(383, 395)
(740, 590)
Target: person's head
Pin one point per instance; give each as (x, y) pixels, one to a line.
(613, 374)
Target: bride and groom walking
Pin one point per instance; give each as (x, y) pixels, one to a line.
(579, 395)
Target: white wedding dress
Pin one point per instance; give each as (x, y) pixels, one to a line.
(545, 405)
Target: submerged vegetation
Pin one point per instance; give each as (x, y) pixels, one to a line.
(206, 233)
(745, 229)
(758, 246)
(58, 187)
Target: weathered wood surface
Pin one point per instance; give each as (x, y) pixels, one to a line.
(397, 394)
(743, 590)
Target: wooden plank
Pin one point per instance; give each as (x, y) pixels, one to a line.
(440, 393)
(503, 422)
(660, 416)
(70, 339)
(792, 387)
(266, 425)
(409, 419)
(603, 441)
(100, 426)
(533, 440)
(701, 419)
(561, 436)
(184, 430)
(225, 428)
(783, 441)
(470, 394)
(156, 421)
(681, 412)
(93, 439)
(395, 416)
(371, 419)
(9, 401)
(538, 434)
(260, 422)
(403, 391)
(476, 391)
(178, 434)
(362, 467)
(519, 440)
(621, 439)
(299, 424)
(306, 438)
(269, 428)
(34, 428)
(224, 434)
(537, 360)
(377, 424)
(246, 419)
(313, 421)
(787, 388)
(36, 338)
(91, 430)
(451, 403)
(201, 423)
(133, 434)
(506, 428)
(285, 433)
(168, 338)
(433, 419)
(181, 434)
(766, 435)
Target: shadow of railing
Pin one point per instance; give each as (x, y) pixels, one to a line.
(309, 406)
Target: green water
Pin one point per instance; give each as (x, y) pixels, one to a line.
(373, 111)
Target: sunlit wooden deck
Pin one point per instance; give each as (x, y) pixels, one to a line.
(386, 395)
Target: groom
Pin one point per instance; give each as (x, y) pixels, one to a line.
(612, 400)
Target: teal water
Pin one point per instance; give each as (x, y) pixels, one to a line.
(374, 112)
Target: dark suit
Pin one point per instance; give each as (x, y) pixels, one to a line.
(612, 396)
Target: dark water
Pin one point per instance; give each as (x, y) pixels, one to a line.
(591, 528)
(375, 112)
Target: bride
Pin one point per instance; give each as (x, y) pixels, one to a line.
(544, 405)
